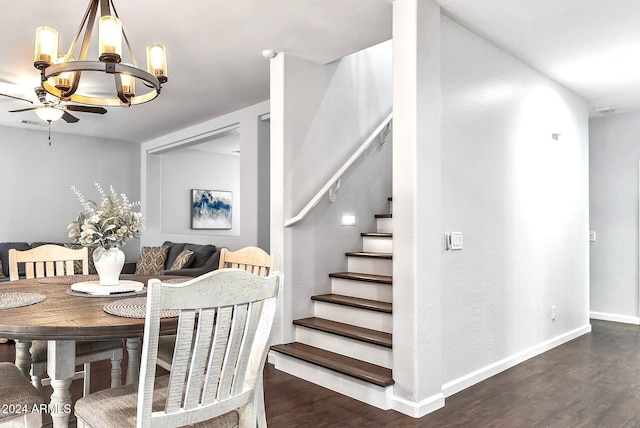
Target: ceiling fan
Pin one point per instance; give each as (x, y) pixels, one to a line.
(51, 111)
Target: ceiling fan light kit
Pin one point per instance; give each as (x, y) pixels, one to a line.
(49, 113)
(60, 75)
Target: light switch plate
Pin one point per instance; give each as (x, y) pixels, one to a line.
(453, 241)
(456, 240)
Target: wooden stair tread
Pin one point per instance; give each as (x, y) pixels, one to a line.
(374, 337)
(368, 277)
(383, 216)
(354, 302)
(377, 234)
(362, 370)
(369, 254)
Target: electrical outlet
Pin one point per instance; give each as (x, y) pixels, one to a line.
(554, 313)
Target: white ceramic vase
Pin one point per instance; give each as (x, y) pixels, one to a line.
(109, 266)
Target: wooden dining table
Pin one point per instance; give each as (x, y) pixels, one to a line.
(62, 319)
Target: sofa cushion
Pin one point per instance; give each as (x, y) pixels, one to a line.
(174, 250)
(183, 260)
(4, 255)
(2, 275)
(201, 253)
(152, 260)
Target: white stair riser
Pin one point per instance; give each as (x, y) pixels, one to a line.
(357, 349)
(362, 289)
(370, 265)
(366, 392)
(377, 244)
(384, 225)
(375, 320)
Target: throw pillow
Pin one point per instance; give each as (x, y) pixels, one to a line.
(201, 253)
(2, 275)
(152, 260)
(182, 261)
(174, 250)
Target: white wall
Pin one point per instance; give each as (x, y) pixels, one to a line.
(614, 156)
(37, 203)
(320, 115)
(521, 200)
(166, 216)
(417, 207)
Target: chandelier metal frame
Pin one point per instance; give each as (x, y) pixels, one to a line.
(107, 64)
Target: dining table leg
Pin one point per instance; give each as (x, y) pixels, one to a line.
(61, 368)
(23, 357)
(133, 362)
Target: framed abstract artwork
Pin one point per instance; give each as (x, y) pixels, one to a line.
(211, 209)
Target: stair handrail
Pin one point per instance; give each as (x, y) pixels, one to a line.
(336, 177)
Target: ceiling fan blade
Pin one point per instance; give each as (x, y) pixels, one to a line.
(69, 118)
(86, 109)
(22, 109)
(17, 98)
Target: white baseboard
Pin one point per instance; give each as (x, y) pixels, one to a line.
(615, 318)
(418, 410)
(479, 375)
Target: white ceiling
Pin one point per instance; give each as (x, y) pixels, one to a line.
(215, 63)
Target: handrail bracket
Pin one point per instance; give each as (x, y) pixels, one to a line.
(333, 191)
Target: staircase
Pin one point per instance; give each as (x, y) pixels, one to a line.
(346, 346)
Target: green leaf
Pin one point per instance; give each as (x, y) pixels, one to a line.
(97, 253)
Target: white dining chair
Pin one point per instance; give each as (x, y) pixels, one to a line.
(224, 322)
(20, 402)
(55, 260)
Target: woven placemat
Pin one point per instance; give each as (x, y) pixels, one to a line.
(135, 307)
(67, 280)
(13, 299)
(75, 293)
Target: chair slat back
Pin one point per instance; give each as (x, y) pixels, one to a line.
(225, 319)
(251, 259)
(47, 260)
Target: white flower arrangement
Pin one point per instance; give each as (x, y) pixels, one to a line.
(108, 224)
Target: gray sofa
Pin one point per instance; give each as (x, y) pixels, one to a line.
(205, 258)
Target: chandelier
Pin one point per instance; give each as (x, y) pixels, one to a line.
(61, 75)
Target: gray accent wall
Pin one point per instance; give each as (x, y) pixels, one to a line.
(36, 202)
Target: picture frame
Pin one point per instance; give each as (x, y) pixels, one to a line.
(211, 209)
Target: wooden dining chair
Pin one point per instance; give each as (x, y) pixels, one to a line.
(19, 400)
(250, 259)
(55, 260)
(47, 260)
(224, 323)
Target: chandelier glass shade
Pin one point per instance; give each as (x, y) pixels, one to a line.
(60, 75)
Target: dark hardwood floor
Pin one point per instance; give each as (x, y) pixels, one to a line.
(592, 381)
